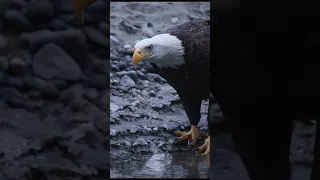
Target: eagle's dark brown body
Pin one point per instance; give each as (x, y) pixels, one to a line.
(191, 80)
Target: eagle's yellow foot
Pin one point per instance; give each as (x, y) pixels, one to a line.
(204, 149)
(193, 135)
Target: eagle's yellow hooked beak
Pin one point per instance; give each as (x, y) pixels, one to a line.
(137, 57)
(80, 5)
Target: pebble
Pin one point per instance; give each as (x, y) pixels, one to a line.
(140, 73)
(17, 65)
(115, 68)
(17, 20)
(4, 63)
(90, 93)
(122, 65)
(3, 42)
(130, 51)
(113, 41)
(52, 61)
(127, 46)
(97, 37)
(144, 93)
(152, 93)
(174, 20)
(126, 81)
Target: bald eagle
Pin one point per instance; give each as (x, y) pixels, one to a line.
(181, 55)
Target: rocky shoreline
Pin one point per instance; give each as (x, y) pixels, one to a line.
(54, 84)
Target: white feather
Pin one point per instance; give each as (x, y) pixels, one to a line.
(167, 50)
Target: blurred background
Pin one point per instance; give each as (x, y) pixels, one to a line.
(54, 97)
(144, 109)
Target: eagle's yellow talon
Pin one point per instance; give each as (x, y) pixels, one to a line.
(192, 135)
(205, 148)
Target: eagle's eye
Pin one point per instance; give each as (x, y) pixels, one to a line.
(150, 46)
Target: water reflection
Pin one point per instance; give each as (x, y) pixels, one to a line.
(161, 165)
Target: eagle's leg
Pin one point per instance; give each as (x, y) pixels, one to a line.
(192, 109)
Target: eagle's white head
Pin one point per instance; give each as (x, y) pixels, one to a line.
(164, 50)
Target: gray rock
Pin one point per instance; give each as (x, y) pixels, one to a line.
(19, 3)
(3, 42)
(17, 20)
(115, 68)
(4, 63)
(104, 27)
(52, 62)
(174, 20)
(113, 41)
(71, 93)
(12, 97)
(34, 105)
(97, 80)
(126, 81)
(59, 83)
(72, 41)
(122, 65)
(34, 94)
(147, 31)
(90, 93)
(17, 65)
(95, 36)
(45, 87)
(39, 11)
(12, 81)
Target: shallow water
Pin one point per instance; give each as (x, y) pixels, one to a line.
(161, 165)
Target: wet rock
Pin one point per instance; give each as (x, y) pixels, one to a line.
(126, 26)
(59, 83)
(122, 65)
(104, 27)
(115, 68)
(147, 31)
(4, 63)
(97, 80)
(127, 46)
(75, 90)
(52, 62)
(140, 73)
(101, 123)
(133, 75)
(17, 20)
(122, 51)
(174, 20)
(34, 94)
(90, 93)
(19, 3)
(158, 78)
(12, 97)
(34, 105)
(45, 87)
(72, 41)
(12, 81)
(3, 42)
(97, 37)
(39, 11)
(17, 65)
(152, 93)
(130, 51)
(113, 41)
(126, 81)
